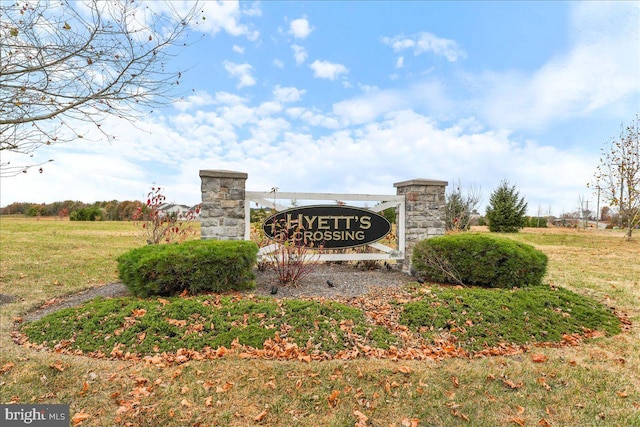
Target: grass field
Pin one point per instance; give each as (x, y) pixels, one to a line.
(594, 383)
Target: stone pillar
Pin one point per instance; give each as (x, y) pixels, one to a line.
(222, 211)
(424, 212)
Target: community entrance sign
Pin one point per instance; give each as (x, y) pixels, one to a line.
(327, 226)
(418, 203)
(331, 227)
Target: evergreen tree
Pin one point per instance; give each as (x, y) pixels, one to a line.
(506, 209)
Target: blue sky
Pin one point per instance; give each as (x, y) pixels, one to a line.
(355, 96)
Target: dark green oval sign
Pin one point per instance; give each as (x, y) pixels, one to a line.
(327, 226)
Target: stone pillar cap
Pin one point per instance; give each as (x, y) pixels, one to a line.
(219, 173)
(421, 181)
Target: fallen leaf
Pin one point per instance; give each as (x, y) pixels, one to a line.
(261, 416)
(410, 422)
(85, 388)
(186, 403)
(404, 370)
(455, 382)
(225, 387)
(539, 358)
(58, 366)
(7, 367)
(623, 394)
(544, 423)
(458, 414)
(543, 382)
(517, 420)
(511, 384)
(362, 419)
(208, 401)
(333, 398)
(79, 418)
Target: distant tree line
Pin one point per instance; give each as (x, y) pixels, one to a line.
(106, 211)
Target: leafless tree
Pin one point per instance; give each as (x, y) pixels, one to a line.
(460, 207)
(65, 63)
(618, 174)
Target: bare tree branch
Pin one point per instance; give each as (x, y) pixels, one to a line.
(64, 63)
(618, 174)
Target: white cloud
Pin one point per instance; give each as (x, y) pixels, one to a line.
(299, 54)
(605, 40)
(300, 28)
(268, 108)
(229, 98)
(425, 42)
(240, 71)
(314, 118)
(238, 49)
(199, 99)
(400, 62)
(223, 15)
(368, 107)
(287, 94)
(278, 63)
(327, 70)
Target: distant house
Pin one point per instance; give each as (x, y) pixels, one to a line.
(175, 209)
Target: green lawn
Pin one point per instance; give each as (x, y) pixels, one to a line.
(595, 382)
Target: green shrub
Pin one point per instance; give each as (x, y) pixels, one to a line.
(196, 266)
(92, 213)
(480, 260)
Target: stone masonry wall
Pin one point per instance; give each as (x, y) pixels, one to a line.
(424, 212)
(222, 211)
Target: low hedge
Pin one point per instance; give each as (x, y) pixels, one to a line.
(479, 260)
(196, 266)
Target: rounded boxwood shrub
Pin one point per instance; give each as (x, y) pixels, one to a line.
(479, 260)
(196, 266)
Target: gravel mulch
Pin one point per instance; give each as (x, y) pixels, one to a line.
(329, 281)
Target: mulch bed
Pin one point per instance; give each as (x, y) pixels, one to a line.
(326, 281)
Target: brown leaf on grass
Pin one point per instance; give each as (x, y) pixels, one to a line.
(85, 389)
(404, 370)
(622, 393)
(139, 312)
(460, 415)
(141, 391)
(544, 423)
(228, 385)
(208, 401)
(509, 383)
(7, 367)
(455, 382)
(543, 382)
(517, 420)
(539, 358)
(261, 416)
(410, 422)
(79, 418)
(362, 419)
(58, 366)
(333, 398)
(186, 403)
